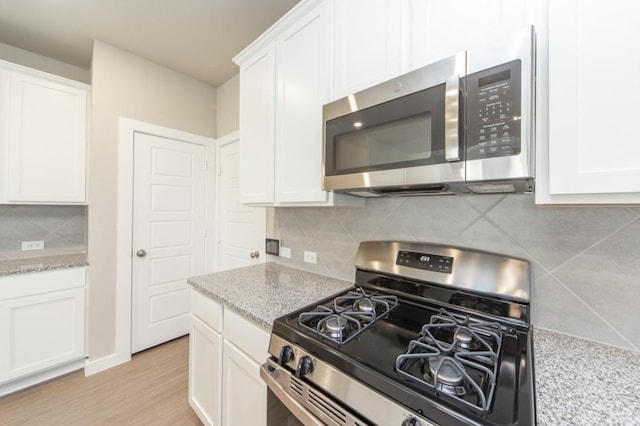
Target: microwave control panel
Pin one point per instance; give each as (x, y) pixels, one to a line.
(493, 112)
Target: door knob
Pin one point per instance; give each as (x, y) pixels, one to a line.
(141, 253)
(255, 254)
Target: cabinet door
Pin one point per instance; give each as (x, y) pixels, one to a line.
(41, 331)
(593, 131)
(245, 396)
(303, 87)
(47, 141)
(205, 372)
(366, 45)
(257, 127)
(440, 28)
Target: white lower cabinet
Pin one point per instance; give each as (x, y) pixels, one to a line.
(205, 364)
(42, 327)
(225, 354)
(245, 397)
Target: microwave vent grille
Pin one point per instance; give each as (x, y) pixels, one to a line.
(492, 188)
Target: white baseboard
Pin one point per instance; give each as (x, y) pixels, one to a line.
(43, 376)
(104, 363)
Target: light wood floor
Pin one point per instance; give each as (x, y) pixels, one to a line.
(151, 389)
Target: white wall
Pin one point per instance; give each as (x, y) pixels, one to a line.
(42, 63)
(227, 114)
(128, 86)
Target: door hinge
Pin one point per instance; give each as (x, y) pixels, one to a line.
(204, 233)
(220, 171)
(206, 165)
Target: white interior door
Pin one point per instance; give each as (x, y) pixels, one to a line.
(241, 229)
(168, 236)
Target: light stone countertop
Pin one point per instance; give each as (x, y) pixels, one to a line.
(44, 263)
(578, 382)
(267, 291)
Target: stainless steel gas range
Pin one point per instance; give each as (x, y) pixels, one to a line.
(428, 335)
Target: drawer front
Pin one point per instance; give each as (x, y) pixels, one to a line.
(33, 283)
(246, 335)
(207, 310)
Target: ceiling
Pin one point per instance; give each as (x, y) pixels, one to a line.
(195, 37)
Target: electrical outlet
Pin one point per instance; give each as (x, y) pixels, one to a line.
(285, 252)
(310, 257)
(32, 245)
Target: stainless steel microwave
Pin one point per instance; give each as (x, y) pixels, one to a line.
(463, 124)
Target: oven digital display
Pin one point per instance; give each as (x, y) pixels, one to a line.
(428, 262)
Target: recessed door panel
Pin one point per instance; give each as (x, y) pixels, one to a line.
(168, 236)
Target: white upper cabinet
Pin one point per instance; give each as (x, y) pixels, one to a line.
(284, 81)
(594, 148)
(257, 126)
(44, 138)
(367, 36)
(436, 29)
(375, 40)
(303, 87)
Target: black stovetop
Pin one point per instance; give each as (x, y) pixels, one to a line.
(371, 356)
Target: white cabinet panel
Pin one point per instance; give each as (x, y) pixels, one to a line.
(367, 38)
(284, 81)
(440, 28)
(257, 127)
(224, 368)
(41, 325)
(303, 87)
(205, 372)
(41, 331)
(246, 335)
(593, 137)
(46, 140)
(245, 397)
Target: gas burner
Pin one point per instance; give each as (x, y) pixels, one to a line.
(457, 356)
(446, 374)
(463, 337)
(359, 301)
(364, 305)
(333, 326)
(347, 315)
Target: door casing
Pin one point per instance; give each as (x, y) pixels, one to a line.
(127, 130)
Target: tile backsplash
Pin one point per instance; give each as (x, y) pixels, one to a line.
(585, 259)
(62, 228)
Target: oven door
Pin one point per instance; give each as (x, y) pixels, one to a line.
(405, 131)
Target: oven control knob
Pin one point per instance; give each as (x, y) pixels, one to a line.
(286, 355)
(411, 421)
(305, 366)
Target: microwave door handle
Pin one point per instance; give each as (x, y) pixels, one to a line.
(451, 118)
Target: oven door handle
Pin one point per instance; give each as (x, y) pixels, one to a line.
(273, 375)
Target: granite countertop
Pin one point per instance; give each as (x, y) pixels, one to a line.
(267, 291)
(44, 263)
(578, 382)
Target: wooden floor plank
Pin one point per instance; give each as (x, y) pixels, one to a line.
(151, 389)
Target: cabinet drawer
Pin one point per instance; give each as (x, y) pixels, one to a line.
(207, 310)
(246, 335)
(33, 283)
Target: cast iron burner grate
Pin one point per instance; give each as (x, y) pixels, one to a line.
(456, 356)
(348, 315)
